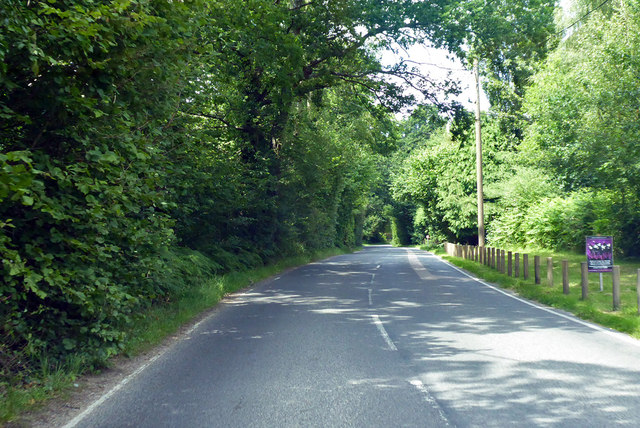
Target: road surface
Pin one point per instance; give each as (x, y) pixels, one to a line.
(385, 337)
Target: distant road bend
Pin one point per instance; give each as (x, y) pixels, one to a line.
(385, 337)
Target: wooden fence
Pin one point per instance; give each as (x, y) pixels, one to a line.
(517, 265)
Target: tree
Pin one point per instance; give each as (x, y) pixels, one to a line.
(584, 117)
(85, 91)
(583, 105)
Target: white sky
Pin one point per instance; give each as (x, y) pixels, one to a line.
(438, 64)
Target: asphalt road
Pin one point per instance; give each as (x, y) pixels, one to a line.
(386, 337)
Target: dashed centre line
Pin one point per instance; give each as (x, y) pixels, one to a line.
(373, 277)
(383, 332)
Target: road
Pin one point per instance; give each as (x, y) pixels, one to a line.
(385, 337)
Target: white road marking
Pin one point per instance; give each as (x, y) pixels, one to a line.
(417, 383)
(383, 332)
(196, 325)
(73, 422)
(417, 266)
(611, 333)
(373, 276)
(86, 412)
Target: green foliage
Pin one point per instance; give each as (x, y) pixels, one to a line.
(509, 37)
(80, 194)
(133, 129)
(401, 215)
(376, 227)
(584, 124)
(559, 223)
(441, 180)
(584, 105)
(563, 222)
(514, 194)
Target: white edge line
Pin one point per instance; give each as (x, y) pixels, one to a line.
(86, 412)
(75, 421)
(383, 332)
(417, 383)
(611, 333)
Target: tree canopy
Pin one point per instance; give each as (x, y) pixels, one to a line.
(136, 134)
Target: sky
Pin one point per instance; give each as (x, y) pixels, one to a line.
(439, 65)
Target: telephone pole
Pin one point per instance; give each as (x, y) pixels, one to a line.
(479, 159)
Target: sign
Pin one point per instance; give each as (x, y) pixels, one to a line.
(600, 253)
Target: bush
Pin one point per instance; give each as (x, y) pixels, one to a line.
(563, 222)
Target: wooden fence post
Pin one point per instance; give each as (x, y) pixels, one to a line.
(509, 263)
(536, 268)
(493, 258)
(565, 276)
(585, 280)
(525, 266)
(638, 288)
(502, 262)
(516, 265)
(616, 288)
(550, 271)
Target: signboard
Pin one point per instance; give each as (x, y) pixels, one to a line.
(600, 253)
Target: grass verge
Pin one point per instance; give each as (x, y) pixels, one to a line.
(598, 307)
(156, 324)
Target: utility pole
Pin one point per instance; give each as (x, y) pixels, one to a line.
(479, 159)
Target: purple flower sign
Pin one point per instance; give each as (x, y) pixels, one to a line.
(600, 253)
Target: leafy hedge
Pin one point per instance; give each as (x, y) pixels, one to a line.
(137, 133)
(82, 213)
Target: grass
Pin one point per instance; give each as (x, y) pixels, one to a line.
(52, 381)
(156, 324)
(597, 307)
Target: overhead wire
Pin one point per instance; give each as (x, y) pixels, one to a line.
(582, 17)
